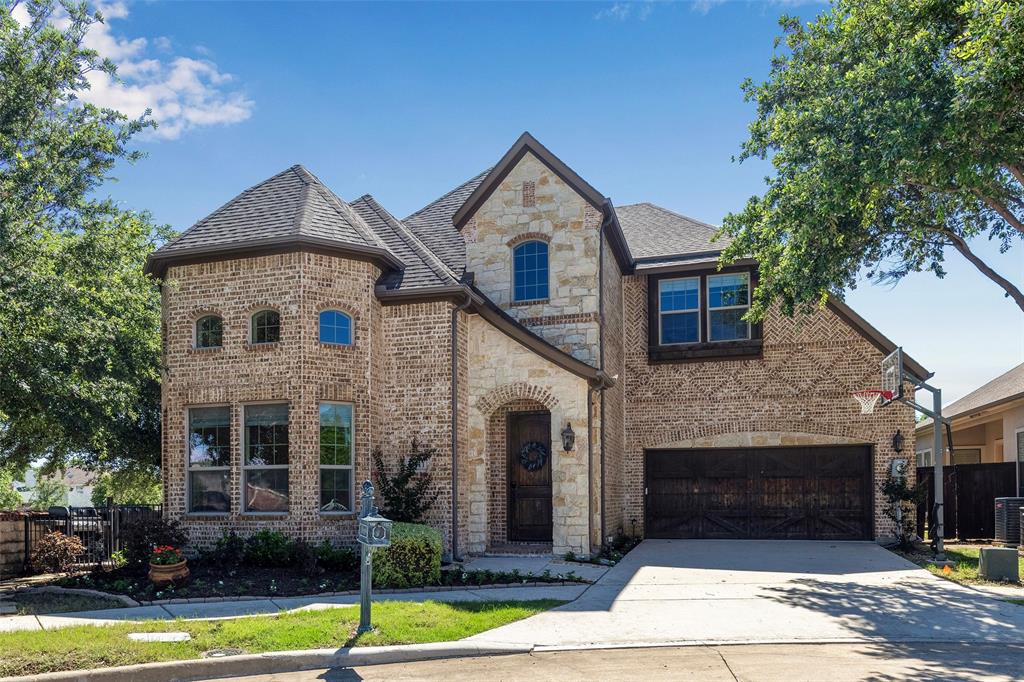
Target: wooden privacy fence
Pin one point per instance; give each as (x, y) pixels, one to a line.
(969, 492)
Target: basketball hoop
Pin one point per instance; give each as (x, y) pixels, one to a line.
(869, 398)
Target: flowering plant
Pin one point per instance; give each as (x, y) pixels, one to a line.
(166, 555)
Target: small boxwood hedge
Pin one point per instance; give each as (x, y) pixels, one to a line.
(412, 560)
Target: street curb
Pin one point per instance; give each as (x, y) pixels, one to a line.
(277, 662)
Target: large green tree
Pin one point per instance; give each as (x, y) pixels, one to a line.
(896, 133)
(80, 339)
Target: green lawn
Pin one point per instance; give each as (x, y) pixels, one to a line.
(965, 559)
(92, 646)
(40, 603)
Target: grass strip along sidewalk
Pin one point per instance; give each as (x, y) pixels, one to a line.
(92, 646)
(965, 564)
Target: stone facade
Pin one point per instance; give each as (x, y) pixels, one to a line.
(798, 393)
(12, 543)
(502, 375)
(559, 216)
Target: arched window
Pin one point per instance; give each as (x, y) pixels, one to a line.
(335, 327)
(209, 332)
(530, 271)
(266, 327)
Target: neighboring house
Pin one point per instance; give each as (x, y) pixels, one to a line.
(987, 425)
(583, 368)
(78, 482)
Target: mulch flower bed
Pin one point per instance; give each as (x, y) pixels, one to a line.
(209, 578)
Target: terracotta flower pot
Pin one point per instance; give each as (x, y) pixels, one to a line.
(162, 575)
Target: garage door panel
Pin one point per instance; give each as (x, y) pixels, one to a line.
(772, 493)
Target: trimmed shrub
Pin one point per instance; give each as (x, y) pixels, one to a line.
(412, 560)
(229, 550)
(56, 553)
(340, 559)
(140, 537)
(269, 548)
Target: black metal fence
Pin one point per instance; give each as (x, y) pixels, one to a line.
(99, 528)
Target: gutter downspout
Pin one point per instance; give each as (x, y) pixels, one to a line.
(455, 423)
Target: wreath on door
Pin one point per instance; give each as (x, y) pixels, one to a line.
(533, 455)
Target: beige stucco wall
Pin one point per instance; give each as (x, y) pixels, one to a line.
(500, 371)
(571, 226)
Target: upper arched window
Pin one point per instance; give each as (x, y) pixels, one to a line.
(266, 327)
(335, 327)
(209, 332)
(530, 271)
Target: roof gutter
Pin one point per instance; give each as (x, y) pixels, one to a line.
(158, 261)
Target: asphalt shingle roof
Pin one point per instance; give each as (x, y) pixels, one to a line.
(423, 268)
(433, 224)
(653, 232)
(1004, 387)
(292, 203)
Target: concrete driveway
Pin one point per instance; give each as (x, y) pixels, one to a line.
(751, 591)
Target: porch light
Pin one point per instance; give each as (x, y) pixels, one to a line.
(568, 437)
(897, 441)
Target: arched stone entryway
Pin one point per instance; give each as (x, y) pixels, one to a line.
(501, 515)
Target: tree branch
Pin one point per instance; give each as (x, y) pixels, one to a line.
(1015, 172)
(1006, 213)
(960, 245)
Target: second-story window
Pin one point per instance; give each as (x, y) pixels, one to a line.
(335, 328)
(530, 271)
(266, 327)
(728, 302)
(679, 310)
(209, 332)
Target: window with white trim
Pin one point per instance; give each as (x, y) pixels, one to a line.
(265, 458)
(209, 459)
(924, 458)
(1020, 462)
(335, 458)
(728, 302)
(679, 310)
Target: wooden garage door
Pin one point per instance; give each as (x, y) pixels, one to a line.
(816, 493)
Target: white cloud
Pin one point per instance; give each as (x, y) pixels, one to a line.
(183, 93)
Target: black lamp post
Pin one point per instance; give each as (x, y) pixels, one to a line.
(897, 441)
(568, 437)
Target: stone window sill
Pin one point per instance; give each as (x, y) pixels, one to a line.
(336, 346)
(265, 516)
(213, 516)
(205, 351)
(536, 301)
(706, 352)
(337, 515)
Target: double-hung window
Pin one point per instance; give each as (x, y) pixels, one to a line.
(335, 458)
(209, 459)
(728, 302)
(265, 460)
(679, 310)
(266, 327)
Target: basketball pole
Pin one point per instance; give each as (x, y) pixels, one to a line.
(938, 460)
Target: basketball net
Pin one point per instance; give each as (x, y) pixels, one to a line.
(868, 399)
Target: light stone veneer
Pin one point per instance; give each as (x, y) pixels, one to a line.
(572, 227)
(501, 371)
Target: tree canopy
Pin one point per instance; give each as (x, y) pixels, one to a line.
(80, 348)
(896, 132)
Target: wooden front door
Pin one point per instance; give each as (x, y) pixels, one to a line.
(529, 482)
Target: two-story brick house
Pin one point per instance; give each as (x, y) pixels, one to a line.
(583, 370)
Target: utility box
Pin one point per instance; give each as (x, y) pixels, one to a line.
(999, 564)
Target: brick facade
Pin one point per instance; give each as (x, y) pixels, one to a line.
(797, 394)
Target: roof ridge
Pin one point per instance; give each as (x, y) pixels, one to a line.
(346, 212)
(676, 214)
(429, 258)
(448, 193)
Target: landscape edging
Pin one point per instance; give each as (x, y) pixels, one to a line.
(278, 662)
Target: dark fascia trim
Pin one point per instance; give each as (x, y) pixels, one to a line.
(525, 143)
(692, 261)
(502, 321)
(877, 338)
(157, 262)
(616, 239)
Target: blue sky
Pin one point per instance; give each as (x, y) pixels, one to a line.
(407, 100)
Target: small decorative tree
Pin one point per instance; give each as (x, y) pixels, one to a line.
(405, 494)
(902, 500)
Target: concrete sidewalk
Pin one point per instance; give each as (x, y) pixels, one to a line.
(256, 607)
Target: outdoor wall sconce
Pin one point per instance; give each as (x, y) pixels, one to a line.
(568, 437)
(897, 441)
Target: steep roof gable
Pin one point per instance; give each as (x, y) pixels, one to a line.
(292, 208)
